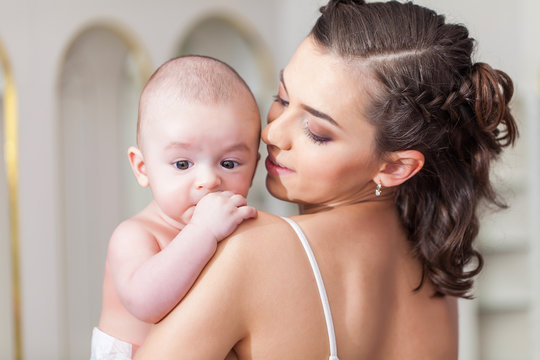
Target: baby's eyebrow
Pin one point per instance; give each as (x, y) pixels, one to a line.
(237, 147)
(178, 144)
(184, 145)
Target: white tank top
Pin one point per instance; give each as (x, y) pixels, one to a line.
(320, 286)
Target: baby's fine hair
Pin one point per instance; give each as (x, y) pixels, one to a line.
(193, 78)
(426, 94)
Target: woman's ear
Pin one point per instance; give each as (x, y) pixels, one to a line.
(401, 166)
(136, 160)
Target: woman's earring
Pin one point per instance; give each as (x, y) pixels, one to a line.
(378, 189)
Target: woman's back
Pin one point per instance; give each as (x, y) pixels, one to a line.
(369, 275)
(260, 290)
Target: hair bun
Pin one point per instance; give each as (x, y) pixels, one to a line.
(493, 89)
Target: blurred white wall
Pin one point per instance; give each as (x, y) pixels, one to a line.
(36, 37)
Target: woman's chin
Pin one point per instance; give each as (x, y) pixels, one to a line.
(276, 189)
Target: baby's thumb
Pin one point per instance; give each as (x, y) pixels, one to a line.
(247, 212)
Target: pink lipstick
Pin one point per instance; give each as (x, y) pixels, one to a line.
(275, 168)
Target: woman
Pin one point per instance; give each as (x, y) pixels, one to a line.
(383, 131)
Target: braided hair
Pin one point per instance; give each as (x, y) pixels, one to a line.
(429, 96)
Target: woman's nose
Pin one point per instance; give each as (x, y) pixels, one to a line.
(207, 179)
(277, 133)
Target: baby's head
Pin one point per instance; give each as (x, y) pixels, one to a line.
(198, 132)
(192, 79)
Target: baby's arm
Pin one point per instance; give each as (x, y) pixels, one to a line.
(151, 282)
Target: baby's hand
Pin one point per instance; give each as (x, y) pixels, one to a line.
(221, 213)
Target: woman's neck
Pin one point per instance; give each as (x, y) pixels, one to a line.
(386, 196)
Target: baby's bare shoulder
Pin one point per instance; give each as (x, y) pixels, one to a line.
(134, 226)
(137, 232)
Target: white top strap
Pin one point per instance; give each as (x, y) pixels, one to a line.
(320, 286)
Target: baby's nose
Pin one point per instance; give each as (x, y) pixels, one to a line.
(208, 180)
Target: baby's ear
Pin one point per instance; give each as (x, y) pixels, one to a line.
(136, 160)
(401, 166)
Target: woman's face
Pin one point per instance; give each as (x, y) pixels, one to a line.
(321, 149)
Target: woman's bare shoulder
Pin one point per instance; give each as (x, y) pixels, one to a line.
(263, 219)
(246, 255)
(255, 235)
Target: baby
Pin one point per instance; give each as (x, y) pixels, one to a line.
(198, 138)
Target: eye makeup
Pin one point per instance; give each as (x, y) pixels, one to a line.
(314, 136)
(280, 100)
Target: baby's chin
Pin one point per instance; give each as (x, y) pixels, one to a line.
(181, 221)
(188, 214)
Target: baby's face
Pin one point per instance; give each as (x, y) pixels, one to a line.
(192, 149)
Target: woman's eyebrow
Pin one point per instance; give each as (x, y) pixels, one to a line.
(282, 81)
(320, 115)
(309, 109)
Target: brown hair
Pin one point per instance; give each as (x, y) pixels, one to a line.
(429, 97)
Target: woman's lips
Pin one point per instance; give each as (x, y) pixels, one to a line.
(275, 168)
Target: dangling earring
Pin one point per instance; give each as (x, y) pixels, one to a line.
(378, 189)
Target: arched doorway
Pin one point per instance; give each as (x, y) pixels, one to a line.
(10, 297)
(101, 77)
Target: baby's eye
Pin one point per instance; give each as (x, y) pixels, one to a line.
(229, 164)
(183, 164)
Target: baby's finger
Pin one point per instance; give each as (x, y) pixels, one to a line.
(227, 193)
(238, 200)
(247, 212)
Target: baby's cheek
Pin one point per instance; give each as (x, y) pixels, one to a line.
(243, 188)
(238, 185)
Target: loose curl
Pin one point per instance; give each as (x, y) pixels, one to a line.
(429, 97)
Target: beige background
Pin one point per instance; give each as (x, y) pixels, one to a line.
(78, 67)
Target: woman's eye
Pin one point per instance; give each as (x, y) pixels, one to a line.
(320, 140)
(281, 101)
(229, 164)
(183, 164)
